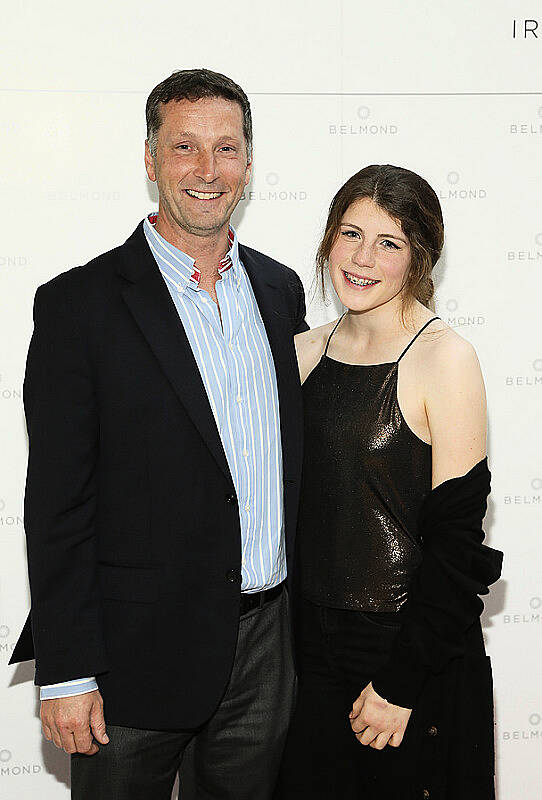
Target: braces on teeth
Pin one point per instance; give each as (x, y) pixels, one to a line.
(359, 281)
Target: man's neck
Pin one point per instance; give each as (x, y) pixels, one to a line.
(207, 251)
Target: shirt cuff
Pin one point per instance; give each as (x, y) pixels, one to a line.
(68, 688)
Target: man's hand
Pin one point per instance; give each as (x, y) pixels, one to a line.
(71, 722)
(377, 722)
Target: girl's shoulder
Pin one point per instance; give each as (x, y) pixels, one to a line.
(315, 337)
(443, 361)
(443, 350)
(310, 346)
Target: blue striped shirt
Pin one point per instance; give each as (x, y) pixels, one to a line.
(238, 372)
(237, 369)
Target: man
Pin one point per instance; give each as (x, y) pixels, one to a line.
(164, 416)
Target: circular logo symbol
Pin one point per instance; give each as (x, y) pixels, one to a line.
(452, 305)
(535, 602)
(364, 112)
(534, 719)
(537, 364)
(538, 239)
(5, 755)
(4, 631)
(536, 483)
(453, 177)
(2, 504)
(272, 178)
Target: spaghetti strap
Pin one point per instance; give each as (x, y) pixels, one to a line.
(414, 339)
(331, 334)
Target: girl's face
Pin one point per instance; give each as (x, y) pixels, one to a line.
(370, 259)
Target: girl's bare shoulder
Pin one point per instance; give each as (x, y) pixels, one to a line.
(314, 337)
(442, 360)
(446, 351)
(310, 346)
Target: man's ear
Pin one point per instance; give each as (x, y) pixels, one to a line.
(248, 172)
(149, 162)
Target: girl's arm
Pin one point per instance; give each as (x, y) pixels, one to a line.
(455, 404)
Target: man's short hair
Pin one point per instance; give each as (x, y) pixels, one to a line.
(193, 84)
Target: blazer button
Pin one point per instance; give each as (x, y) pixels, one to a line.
(233, 576)
(231, 498)
(432, 731)
(426, 794)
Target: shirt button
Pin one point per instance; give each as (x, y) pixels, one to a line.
(245, 452)
(239, 398)
(247, 506)
(232, 576)
(230, 345)
(432, 731)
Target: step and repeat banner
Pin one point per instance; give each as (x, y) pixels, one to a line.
(450, 90)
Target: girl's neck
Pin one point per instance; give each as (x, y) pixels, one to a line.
(384, 322)
(377, 335)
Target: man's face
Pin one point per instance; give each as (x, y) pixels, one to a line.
(200, 166)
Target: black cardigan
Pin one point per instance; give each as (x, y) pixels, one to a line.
(444, 600)
(438, 666)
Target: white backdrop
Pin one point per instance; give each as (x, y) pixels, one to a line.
(450, 90)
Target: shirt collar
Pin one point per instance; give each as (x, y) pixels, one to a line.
(180, 269)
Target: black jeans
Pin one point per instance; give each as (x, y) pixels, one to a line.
(338, 652)
(234, 756)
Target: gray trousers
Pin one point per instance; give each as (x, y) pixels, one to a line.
(235, 755)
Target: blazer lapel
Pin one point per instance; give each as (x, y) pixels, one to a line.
(153, 309)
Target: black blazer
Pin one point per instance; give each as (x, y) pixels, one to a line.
(133, 534)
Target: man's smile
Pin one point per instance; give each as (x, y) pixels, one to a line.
(203, 195)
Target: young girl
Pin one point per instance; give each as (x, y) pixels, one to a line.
(395, 694)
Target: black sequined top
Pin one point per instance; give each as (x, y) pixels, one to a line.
(365, 476)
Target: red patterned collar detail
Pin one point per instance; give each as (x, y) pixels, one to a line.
(223, 265)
